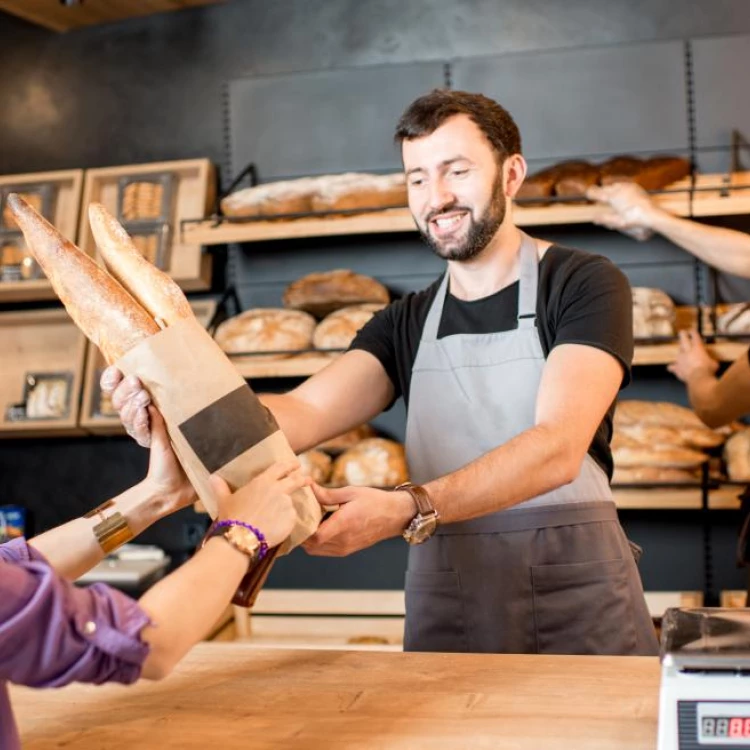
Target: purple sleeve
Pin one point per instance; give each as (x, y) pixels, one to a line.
(77, 634)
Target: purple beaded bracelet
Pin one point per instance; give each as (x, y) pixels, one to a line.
(258, 533)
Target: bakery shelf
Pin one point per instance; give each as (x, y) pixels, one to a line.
(192, 192)
(653, 498)
(725, 497)
(664, 354)
(730, 196)
(297, 366)
(66, 205)
(658, 602)
(47, 343)
(105, 424)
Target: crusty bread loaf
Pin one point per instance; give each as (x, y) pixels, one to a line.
(737, 456)
(353, 190)
(653, 313)
(272, 199)
(735, 319)
(322, 293)
(690, 437)
(655, 413)
(96, 302)
(620, 169)
(337, 330)
(348, 439)
(156, 291)
(574, 178)
(660, 456)
(541, 184)
(316, 464)
(653, 474)
(266, 330)
(375, 462)
(651, 174)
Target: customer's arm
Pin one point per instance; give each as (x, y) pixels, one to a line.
(717, 401)
(632, 208)
(72, 549)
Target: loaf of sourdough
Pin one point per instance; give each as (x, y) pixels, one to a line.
(655, 413)
(154, 289)
(574, 178)
(541, 184)
(653, 313)
(659, 456)
(375, 462)
(107, 314)
(266, 330)
(272, 199)
(735, 319)
(651, 174)
(354, 190)
(322, 293)
(737, 456)
(316, 464)
(651, 434)
(653, 474)
(337, 330)
(347, 439)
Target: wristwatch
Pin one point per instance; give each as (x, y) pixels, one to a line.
(424, 523)
(243, 537)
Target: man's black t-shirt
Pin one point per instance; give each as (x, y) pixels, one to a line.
(582, 299)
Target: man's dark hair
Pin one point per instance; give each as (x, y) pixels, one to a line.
(426, 114)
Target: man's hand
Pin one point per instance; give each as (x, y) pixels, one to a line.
(693, 360)
(365, 516)
(632, 210)
(131, 400)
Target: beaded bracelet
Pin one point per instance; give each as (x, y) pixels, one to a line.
(258, 533)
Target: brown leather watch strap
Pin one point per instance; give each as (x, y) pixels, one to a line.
(421, 497)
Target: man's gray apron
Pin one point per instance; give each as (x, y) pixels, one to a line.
(554, 574)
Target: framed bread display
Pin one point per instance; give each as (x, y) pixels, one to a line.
(97, 413)
(151, 201)
(42, 374)
(57, 197)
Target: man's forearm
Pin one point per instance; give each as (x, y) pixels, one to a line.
(299, 423)
(725, 249)
(536, 461)
(72, 549)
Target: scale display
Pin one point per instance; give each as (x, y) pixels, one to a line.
(723, 723)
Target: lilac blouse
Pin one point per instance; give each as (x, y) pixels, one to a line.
(53, 633)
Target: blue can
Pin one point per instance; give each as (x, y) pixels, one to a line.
(12, 522)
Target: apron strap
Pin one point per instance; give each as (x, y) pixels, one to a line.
(527, 292)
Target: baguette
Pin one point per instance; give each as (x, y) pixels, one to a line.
(108, 316)
(156, 291)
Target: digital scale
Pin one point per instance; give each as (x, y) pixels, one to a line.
(704, 701)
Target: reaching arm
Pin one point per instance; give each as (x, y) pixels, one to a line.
(631, 208)
(351, 390)
(717, 401)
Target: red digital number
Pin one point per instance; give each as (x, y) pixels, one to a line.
(746, 730)
(736, 727)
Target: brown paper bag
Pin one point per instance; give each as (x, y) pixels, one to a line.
(216, 424)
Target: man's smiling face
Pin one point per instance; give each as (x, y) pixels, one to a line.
(455, 188)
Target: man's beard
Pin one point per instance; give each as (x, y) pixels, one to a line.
(481, 231)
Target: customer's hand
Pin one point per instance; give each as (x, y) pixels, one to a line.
(631, 208)
(265, 502)
(131, 400)
(693, 359)
(166, 479)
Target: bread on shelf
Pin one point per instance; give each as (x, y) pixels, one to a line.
(324, 292)
(316, 464)
(653, 313)
(375, 462)
(337, 330)
(347, 439)
(278, 331)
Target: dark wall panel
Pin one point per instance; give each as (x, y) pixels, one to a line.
(588, 101)
(324, 122)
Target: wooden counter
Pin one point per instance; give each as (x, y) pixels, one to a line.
(234, 696)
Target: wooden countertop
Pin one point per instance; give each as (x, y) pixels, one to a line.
(236, 696)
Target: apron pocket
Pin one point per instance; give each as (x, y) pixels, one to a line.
(434, 612)
(583, 608)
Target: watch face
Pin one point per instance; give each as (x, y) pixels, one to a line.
(420, 529)
(243, 539)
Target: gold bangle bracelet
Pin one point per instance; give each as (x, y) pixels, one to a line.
(111, 532)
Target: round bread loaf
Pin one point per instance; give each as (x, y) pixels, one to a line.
(375, 462)
(266, 330)
(337, 330)
(348, 439)
(694, 437)
(627, 457)
(655, 413)
(653, 313)
(649, 474)
(322, 293)
(316, 464)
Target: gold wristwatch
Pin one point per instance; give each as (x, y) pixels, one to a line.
(243, 537)
(424, 523)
